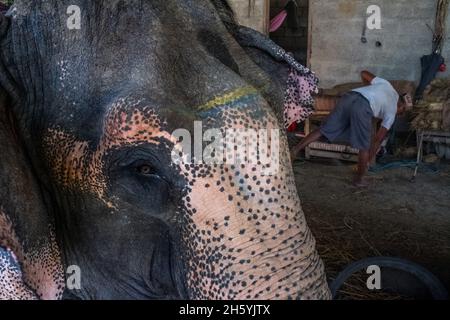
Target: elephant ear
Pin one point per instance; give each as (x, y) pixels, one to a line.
(30, 263)
(292, 85)
(250, 38)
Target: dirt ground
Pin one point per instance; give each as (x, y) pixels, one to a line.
(393, 217)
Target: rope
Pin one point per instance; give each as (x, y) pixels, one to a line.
(430, 168)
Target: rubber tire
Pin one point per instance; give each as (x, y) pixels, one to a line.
(435, 287)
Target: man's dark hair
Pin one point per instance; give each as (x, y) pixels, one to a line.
(406, 99)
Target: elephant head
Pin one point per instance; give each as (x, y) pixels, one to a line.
(88, 176)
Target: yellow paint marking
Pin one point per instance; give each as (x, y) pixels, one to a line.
(229, 98)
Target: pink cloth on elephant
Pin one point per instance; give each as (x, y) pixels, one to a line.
(299, 100)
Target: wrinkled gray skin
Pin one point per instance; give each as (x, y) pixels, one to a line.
(86, 177)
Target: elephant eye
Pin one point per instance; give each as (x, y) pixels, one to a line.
(146, 170)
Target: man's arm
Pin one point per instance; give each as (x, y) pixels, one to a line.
(381, 134)
(367, 77)
(366, 157)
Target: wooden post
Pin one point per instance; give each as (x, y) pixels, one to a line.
(267, 16)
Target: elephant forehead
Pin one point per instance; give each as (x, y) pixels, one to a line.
(242, 108)
(79, 164)
(131, 122)
(127, 122)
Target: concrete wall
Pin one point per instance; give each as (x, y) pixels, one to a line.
(252, 13)
(338, 55)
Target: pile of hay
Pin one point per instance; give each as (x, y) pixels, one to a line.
(339, 246)
(432, 113)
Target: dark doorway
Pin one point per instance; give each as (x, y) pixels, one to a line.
(293, 33)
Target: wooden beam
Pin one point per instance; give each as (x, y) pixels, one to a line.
(309, 35)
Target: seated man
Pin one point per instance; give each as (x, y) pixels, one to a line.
(351, 120)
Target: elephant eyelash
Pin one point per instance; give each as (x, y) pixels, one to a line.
(146, 170)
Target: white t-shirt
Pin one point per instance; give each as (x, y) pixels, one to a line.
(383, 99)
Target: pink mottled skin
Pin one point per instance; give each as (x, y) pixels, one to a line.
(11, 278)
(31, 274)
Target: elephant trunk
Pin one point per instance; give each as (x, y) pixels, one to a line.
(244, 230)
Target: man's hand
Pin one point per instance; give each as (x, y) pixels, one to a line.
(381, 134)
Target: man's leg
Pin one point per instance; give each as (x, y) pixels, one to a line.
(363, 165)
(312, 137)
(335, 125)
(361, 137)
